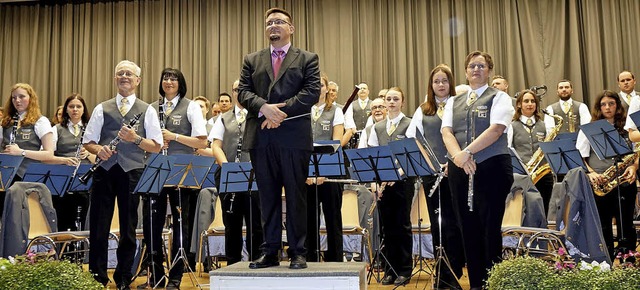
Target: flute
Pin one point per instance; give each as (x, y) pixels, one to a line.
(473, 137)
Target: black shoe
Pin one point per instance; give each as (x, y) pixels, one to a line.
(173, 284)
(402, 280)
(387, 280)
(298, 262)
(265, 261)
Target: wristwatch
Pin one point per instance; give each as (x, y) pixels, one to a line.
(24, 153)
(138, 140)
(468, 151)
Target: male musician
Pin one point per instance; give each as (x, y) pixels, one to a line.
(627, 85)
(500, 83)
(573, 112)
(184, 131)
(275, 83)
(118, 175)
(357, 114)
(215, 113)
(226, 137)
(224, 101)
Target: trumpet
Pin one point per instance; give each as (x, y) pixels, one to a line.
(85, 177)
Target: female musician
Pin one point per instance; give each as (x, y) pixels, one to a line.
(67, 136)
(480, 171)
(427, 120)
(30, 134)
(57, 117)
(608, 106)
(524, 134)
(327, 123)
(396, 197)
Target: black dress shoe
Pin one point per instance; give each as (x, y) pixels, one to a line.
(402, 280)
(298, 262)
(387, 280)
(265, 261)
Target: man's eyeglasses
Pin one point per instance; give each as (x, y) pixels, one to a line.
(125, 73)
(380, 107)
(476, 65)
(276, 22)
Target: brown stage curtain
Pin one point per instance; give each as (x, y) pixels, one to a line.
(73, 46)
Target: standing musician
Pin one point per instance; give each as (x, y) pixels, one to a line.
(184, 131)
(480, 172)
(427, 120)
(524, 134)
(357, 114)
(327, 123)
(573, 113)
(608, 106)
(238, 207)
(395, 198)
(120, 171)
(28, 135)
(69, 150)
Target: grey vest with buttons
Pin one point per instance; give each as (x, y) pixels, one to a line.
(431, 126)
(384, 138)
(130, 156)
(557, 110)
(232, 137)
(526, 143)
(479, 112)
(360, 116)
(323, 127)
(67, 143)
(26, 139)
(178, 122)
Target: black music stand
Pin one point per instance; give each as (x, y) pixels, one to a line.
(238, 177)
(374, 164)
(606, 142)
(150, 184)
(76, 185)
(55, 177)
(189, 171)
(210, 180)
(9, 165)
(327, 160)
(569, 135)
(516, 162)
(562, 156)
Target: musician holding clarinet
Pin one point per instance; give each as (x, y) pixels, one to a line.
(119, 170)
(480, 172)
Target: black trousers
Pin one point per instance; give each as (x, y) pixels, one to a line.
(481, 227)
(451, 232)
(395, 217)
(71, 208)
(545, 187)
(609, 209)
(330, 197)
(107, 185)
(188, 199)
(277, 167)
(238, 208)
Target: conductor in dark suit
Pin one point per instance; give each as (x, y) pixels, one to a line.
(278, 86)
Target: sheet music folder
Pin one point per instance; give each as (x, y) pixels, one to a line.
(189, 171)
(54, 176)
(8, 167)
(562, 156)
(374, 164)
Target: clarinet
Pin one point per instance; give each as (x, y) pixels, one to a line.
(78, 151)
(161, 117)
(14, 130)
(112, 145)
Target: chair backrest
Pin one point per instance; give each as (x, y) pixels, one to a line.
(115, 219)
(513, 211)
(38, 223)
(419, 204)
(350, 214)
(217, 225)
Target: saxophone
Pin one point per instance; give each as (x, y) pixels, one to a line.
(532, 166)
(611, 175)
(573, 119)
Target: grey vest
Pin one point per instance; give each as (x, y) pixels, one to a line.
(26, 139)
(129, 155)
(67, 144)
(479, 113)
(431, 126)
(360, 116)
(384, 138)
(323, 127)
(557, 110)
(178, 122)
(524, 142)
(232, 137)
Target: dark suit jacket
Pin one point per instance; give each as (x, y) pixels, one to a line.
(297, 85)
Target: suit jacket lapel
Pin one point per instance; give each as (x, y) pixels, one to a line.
(292, 54)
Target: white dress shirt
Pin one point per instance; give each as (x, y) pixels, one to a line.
(373, 139)
(585, 115)
(217, 131)
(194, 115)
(501, 109)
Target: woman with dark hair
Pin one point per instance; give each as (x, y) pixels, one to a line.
(427, 121)
(184, 132)
(524, 134)
(608, 106)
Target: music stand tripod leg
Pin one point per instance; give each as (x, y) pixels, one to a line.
(420, 261)
(151, 268)
(181, 255)
(379, 256)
